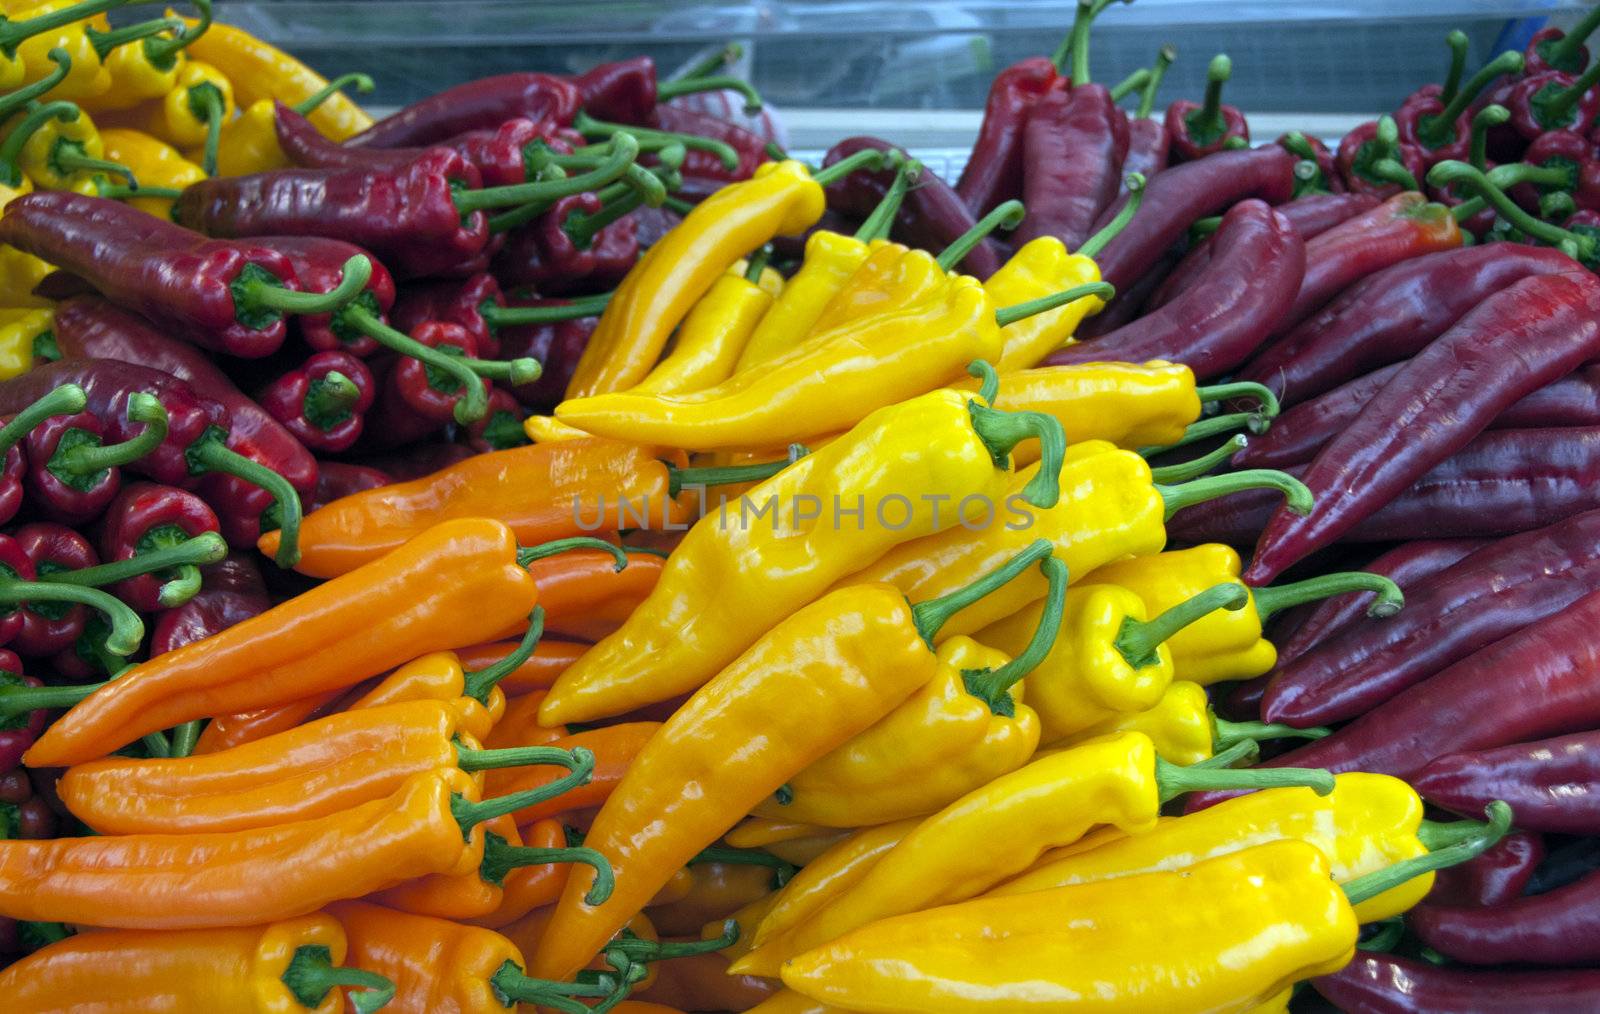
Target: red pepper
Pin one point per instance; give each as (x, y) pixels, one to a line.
(319, 264)
(1149, 144)
(49, 627)
(89, 328)
(628, 91)
(698, 164)
(422, 458)
(557, 346)
(422, 389)
(1201, 129)
(1490, 878)
(560, 253)
(322, 401)
(147, 517)
(1311, 149)
(17, 731)
(1073, 149)
(464, 302)
(72, 474)
(226, 296)
(501, 429)
(231, 592)
(338, 479)
(477, 105)
(1554, 49)
(1384, 984)
(1548, 781)
(1554, 928)
(993, 172)
(1373, 160)
(1440, 127)
(1554, 101)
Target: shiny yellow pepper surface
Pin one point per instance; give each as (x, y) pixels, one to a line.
(154, 163)
(62, 150)
(711, 337)
(830, 875)
(184, 115)
(87, 77)
(20, 328)
(145, 67)
(1041, 267)
(893, 277)
(1229, 646)
(734, 574)
(1222, 936)
(1003, 828)
(249, 142)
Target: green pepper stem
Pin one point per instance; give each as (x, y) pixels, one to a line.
(19, 700)
(621, 152)
(104, 42)
(1183, 471)
(1130, 84)
(1459, 43)
(1562, 54)
(1139, 641)
(38, 116)
(213, 456)
(90, 459)
(1225, 733)
(312, 975)
(126, 629)
(10, 102)
(161, 52)
(1006, 215)
(479, 682)
(1087, 11)
(474, 401)
(515, 987)
(588, 126)
(1553, 109)
(870, 159)
(1486, 118)
(184, 738)
(1002, 430)
(69, 157)
(1207, 428)
(260, 294)
(989, 379)
(118, 192)
(1272, 600)
(1482, 838)
(205, 100)
(782, 869)
(12, 33)
(207, 547)
(329, 399)
(1388, 170)
(582, 228)
(470, 759)
(497, 316)
(360, 82)
(1008, 315)
(1544, 176)
(931, 615)
(1188, 494)
(1388, 936)
(667, 90)
(529, 554)
(756, 265)
(722, 475)
(993, 686)
(579, 762)
(726, 56)
(1207, 123)
(68, 399)
(1130, 207)
(1245, 750)
(1206, 226)
(1435, 131)
(1266, 401)
(500, 857)
(1447, 172)
(878, 224)
(1174, 780)
(639, 949)
(1147, 98)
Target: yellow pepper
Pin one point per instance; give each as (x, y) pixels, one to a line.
(1368, 822)
(893, 277)
(249, 141)
(756, 832)
(144, 61)
(711, 337)
(800, 851)
(87, 77)
(787, 1001)
(747, 918)
(263, 72)
(733, 576)
(965, 727)
(829, 875)
(154, 163)
(1110, 658)
(1130, 405)
(1222, 936)
(830, 260)
(1002, 828)
(188, 116)
(782, 198)
(1229, 646)
(829, 382)
(20, 272)
(59, 148)
(1184, 728)
(20, 328)
(1041, 267)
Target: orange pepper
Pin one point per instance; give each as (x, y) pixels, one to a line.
(614, 748)
(718, 890)
(585, 596)
(519, 726)
(702, 982)
(538, 672)
(533, 886)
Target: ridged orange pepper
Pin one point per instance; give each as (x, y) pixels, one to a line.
(585, 595)
(536, 885)
(542, 492)
(548, 661)
(519, 726)
(614, 748)
(458, 583)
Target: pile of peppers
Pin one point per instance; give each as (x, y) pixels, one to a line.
(548, 548)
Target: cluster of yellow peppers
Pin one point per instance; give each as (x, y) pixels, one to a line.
(148, 107)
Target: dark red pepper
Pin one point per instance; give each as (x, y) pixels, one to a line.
(319, 264)
(339, 479)
(72, 474)
(628, 91)
(463, 302)
(1178, 197)
(482, 104)
(1436, 403)
(501, 429)
(323, 401)
(1440, 127)
(1554, 101)
(1493, 877)
(1324, 179)
(1554, 49)
(89, 328)
(423, 389)
(1073, 148)
(560, 252)
(1149, 144)
(931, 217)
(1384, 984)
(1204, 128)
(1229, 311)
(231, 592)
(419, 459)
(1552, 784)
(49, 627)
(699, 164)
(147, 517)
(17, 731)
(1557, 928)
(223, 295)
(1393, 314)
(993, 173)
(557, 346)
(1373, 160)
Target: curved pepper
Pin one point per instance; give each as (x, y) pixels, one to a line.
(711, 338)
(153, 163)
(1041, 266)
(144, 518)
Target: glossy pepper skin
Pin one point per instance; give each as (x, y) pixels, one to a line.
(143, 517)
(474, 589)
(1392, 314)
(476, 105)
(404, 215)
(1385, 984)
(69, 496)
(1040, 267)
(1442, 398)
(176, 277)
(243, 969)
(994, 171)
(231, 592)
(319, 265)
(530, 489)
(698, 619)
(931, 217)
(1492, 878)
(1554, 928)
(154, 163)
(260, 71)
(456, 302)
(49, 627)
(1549, 782)
(842, 663)
(862, 367)
(1259, 266)
(1366, 823)
(711, 338)
(1181, 196)
(303, 402)
(1275, 900)
(1073, 148)
(615, 748)
(1130, 405)
(655, 297)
